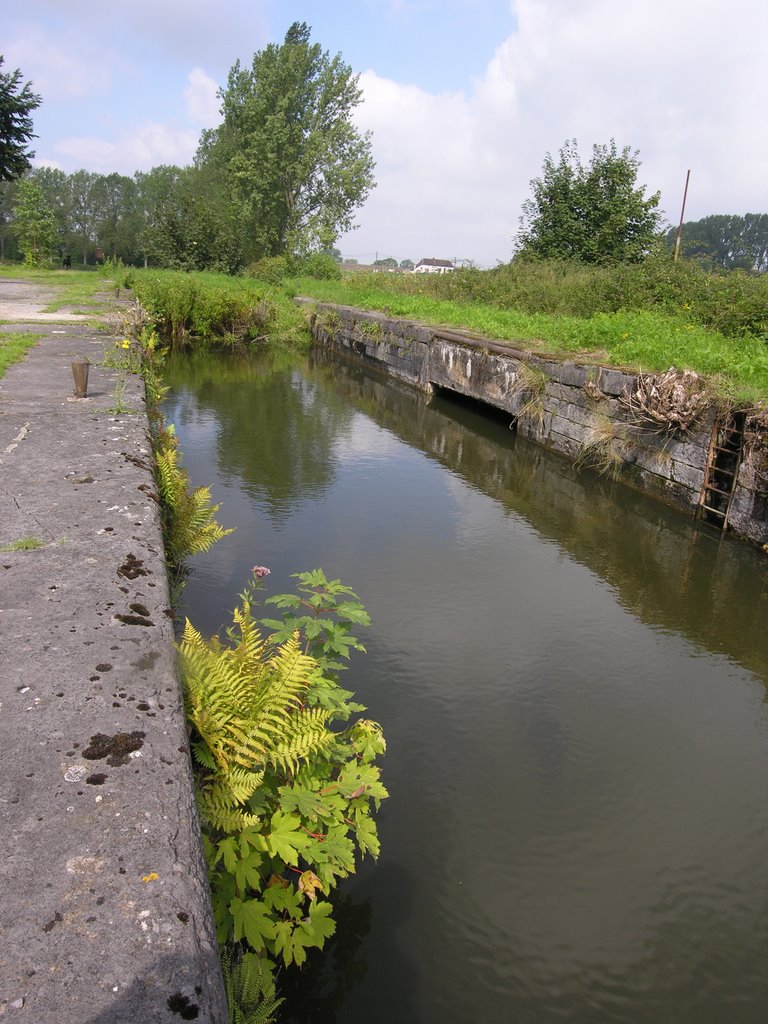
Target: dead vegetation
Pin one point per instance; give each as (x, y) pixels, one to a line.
(670, 401)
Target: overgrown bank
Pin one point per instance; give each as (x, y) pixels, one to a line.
(644, 317)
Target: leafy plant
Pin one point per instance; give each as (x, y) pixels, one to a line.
(287, 783)
(593, 213)
(189, 523)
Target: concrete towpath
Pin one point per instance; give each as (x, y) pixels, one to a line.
(104, 905)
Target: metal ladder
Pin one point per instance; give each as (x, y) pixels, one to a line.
(722, 470)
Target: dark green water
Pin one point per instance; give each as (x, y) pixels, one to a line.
(572, 681)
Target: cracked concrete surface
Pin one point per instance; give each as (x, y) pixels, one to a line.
(105, 909)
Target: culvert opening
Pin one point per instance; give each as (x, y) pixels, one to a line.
(454, 401)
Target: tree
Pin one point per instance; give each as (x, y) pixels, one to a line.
(55, 187)
(726, 241)
(7, 203)
(295, 166)
(17, 102)
(84, 207)
(34, 223)
(594, 213)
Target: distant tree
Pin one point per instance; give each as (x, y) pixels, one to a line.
(17, 102)
(7, 203)
(34, 223)
(84, 204)
(115, 222)
(55, 186)
(726, 241)
(185, 222)
(406, 264)
(387, 261)
(295, 165)
(594, 213)
(157, 209)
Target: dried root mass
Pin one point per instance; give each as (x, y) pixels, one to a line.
(672, 401)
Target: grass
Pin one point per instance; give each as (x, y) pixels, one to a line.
(23, 544)
(72, 288)
(13, 347)
(648, 340)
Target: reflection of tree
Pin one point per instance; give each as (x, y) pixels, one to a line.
(664, 571)
(275, 430)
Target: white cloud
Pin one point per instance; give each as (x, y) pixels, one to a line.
(202, 101)
(680, 82)
(63, 67)
(148, 146)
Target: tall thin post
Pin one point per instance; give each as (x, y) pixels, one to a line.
(682, 217)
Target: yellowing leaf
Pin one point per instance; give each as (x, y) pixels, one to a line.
(308, 883)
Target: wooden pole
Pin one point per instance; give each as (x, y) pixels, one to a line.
(682, 215)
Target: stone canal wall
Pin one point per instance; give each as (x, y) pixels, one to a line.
(578, 410)
(105, 910)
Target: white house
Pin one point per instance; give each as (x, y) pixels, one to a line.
(434, 267)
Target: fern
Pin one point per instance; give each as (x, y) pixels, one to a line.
(250, 989)
(281, 793)
(189, 523)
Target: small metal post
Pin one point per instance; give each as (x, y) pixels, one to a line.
(80, 373)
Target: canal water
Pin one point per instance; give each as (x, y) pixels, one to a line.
(572, 682)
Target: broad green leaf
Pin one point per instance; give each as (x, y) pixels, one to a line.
(247, 873)
(303, 801)
(284, 839)
(252, 922)
(318, 927)
(366, 834)
(228, 850)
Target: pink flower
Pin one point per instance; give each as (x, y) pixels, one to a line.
(260, 571)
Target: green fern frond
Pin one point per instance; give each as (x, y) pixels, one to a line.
(250, 987)
(309, 736)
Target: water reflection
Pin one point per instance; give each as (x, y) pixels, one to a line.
(665, 569)
(571, 681)
(274, 436)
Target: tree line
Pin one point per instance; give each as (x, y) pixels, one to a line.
(283, 174)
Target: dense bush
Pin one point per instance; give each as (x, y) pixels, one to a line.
(208, 306)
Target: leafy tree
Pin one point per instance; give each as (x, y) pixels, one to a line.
(185, 222)
(388, 261)
(7, 203)
(55, 187)
(17, 102)
(406, 264)
(84, 208)
(726, 241)
(295, 165)
(157, 212)
(34, 223)
(115, 201)
(594, 213)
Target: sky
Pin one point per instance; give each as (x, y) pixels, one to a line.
(464, 98)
